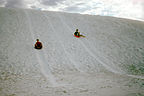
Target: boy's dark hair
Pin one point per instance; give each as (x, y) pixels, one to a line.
(37, 39)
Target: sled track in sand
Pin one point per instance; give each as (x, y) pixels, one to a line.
(77, 67)
(41, 57)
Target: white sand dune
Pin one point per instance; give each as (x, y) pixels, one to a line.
(109, 61)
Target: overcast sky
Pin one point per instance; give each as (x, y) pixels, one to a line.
(132, 9)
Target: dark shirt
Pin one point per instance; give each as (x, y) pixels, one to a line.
(77, 34)
(38, 44)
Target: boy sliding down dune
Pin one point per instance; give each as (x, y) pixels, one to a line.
(77, 34)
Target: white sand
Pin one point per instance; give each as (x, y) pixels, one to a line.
(67, 66)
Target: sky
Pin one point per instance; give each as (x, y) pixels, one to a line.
(131, 9)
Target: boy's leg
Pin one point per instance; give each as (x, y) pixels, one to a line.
(82, 36)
